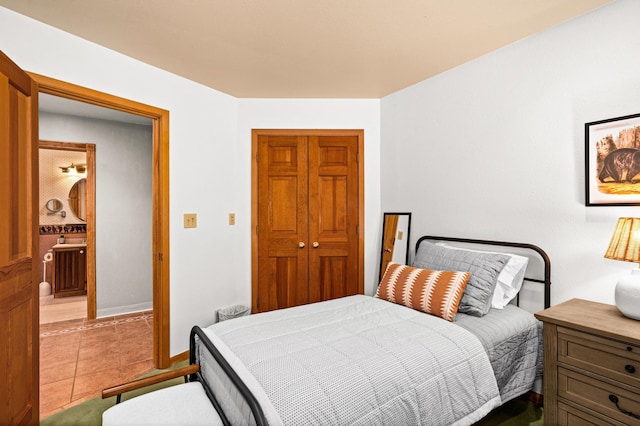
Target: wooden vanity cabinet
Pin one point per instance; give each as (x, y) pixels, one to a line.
(69, 271)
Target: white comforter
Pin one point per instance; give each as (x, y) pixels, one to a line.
(359, 361)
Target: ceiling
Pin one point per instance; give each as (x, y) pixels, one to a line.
(304, 48)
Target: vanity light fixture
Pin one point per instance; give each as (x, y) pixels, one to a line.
(625, 245)
(74, 168)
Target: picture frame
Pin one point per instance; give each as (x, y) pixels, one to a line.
(612, 161)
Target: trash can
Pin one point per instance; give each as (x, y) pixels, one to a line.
(234, 311)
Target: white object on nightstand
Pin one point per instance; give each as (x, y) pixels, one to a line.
(628, 294)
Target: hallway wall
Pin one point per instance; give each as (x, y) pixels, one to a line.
(123, 207)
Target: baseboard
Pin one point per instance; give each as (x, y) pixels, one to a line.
(180, 357)
(121, 310)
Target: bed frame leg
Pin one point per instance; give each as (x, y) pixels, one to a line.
(536, 398)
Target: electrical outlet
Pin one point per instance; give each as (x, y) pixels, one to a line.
(232, 218)
(190, 220)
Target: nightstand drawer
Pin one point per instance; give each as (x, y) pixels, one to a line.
(606, 357)
(599, 396)
(570, 416)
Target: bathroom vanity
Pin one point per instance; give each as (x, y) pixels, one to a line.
(69, 270)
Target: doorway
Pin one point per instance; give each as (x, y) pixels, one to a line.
(160, 191)
(85, 156)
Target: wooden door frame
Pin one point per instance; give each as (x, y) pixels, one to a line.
(90, 150)
(255, 134)
(160, 195)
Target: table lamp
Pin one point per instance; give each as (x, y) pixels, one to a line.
(625, 245)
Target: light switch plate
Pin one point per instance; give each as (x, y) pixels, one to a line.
(190, 220)
(232, 218)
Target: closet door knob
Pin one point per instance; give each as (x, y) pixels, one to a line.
(301, 244)
(316, 244)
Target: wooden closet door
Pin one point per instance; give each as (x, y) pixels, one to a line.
(333, 217)
(282, 222)
(307, 209)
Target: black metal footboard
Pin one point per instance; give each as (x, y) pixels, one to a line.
(223, 374)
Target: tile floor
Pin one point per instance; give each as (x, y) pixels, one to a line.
(54, 309)
(78, 358)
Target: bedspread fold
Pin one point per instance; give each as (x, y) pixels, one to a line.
(513, 341)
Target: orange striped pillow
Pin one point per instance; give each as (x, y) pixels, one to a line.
(434, 292)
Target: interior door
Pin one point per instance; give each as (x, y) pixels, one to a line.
(18, 245)
(282, 222)
(307, 212)
(333, 217)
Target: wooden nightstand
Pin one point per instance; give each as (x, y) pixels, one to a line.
(591, 365)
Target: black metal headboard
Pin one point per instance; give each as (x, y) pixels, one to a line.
(522, 248)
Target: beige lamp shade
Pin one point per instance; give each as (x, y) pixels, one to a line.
(625, 243)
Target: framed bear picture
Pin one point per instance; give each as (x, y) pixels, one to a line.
(612, 161)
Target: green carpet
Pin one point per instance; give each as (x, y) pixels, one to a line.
(518, 412)
(89, 413)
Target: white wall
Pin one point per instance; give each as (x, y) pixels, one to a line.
(314, 114)
(123, 207)
(495, 148)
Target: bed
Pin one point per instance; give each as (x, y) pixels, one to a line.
(366, 360)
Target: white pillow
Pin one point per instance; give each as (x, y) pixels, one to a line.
(509, 280)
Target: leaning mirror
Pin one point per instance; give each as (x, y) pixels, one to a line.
(77, 199)
(395, 239)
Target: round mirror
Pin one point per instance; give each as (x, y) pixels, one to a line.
(77, 197)
(54, 205)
